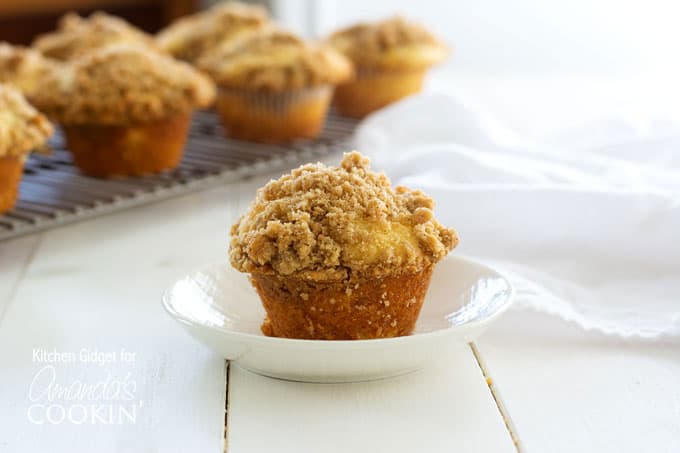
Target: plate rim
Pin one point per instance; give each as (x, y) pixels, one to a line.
(345, 344)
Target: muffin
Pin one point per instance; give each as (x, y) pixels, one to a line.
(22, 128)
(24, 68)
(190, 37)
(125, 110)
(335, 253)
(391, 58)
(77, 35)
(273, 86)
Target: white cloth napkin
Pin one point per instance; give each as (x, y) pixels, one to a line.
(586, 222)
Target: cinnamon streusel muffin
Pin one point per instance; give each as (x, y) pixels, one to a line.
(125, 109)
(24, 68)
(190, 37)
(273, 86)
(391, 58)
(76, 35)
(336, 253)
(22, 129)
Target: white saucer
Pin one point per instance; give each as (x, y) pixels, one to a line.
(219, 307)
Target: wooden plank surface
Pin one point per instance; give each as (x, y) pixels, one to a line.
(96, 286)
(446, 407)
(568, 390)
(14, 259)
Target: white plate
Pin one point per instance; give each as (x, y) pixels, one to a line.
(219, 307)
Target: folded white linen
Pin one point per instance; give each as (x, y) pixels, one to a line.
(586, 223)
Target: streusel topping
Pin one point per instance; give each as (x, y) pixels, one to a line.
(189, 37)
(23, 67)
(336, 223)
(123, 84)
(77, 35)
(274, 60)
(394, 43)
(22, 128)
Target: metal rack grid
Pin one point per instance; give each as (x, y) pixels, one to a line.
(54, 193)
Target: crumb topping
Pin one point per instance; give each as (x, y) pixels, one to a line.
(123, 84)
(394, 43)
(189, 37)
(24, 68)
(22, 128)
(76, 35)
(337, 223)
(274, 60)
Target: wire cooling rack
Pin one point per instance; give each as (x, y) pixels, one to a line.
(53, 192)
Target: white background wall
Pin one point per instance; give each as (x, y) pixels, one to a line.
(520, 37)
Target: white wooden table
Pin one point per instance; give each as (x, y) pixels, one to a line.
(531, 384)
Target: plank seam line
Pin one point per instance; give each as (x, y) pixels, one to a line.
(226, 406)
(22, 275)
(502, 409)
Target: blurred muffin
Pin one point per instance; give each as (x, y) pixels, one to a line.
(336, 253)
(190, 37)
(24, 68)
(273, 86)
(391, 58)
(125, 110)
(22, 129)
(76, 35)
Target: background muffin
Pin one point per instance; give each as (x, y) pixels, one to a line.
(76, 35)
(273, 86)
(336, 253)
(22, 128)
(24, 68)
(125, 109)
(190, 37)
(391, 58)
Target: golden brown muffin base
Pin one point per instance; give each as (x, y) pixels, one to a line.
(106, 151)
(372, 91)
(11, 168)
(379, 308)
(276, 117)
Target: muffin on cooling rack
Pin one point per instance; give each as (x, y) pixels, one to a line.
(190, 37)
(125, 110)
(273, 86)
(391, 58)
(76, 35)
(336, 253)
(24, 68)
(22, 129)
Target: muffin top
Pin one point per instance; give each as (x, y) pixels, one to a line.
(123, 84)
(324, 223)
(76, 35)
(390, 44)
(189, 37)
(22, 128)
(274, 60)
(23, 67)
